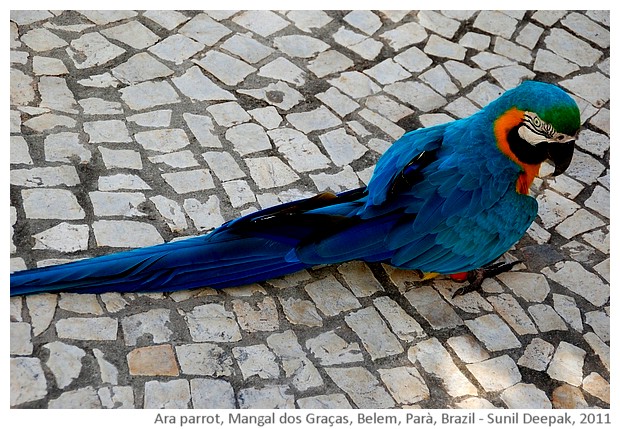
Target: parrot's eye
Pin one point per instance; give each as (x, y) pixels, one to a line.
(537, 122)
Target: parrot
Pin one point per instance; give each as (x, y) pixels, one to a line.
(449, 199)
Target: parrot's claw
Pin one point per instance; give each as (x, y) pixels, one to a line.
(476, 277)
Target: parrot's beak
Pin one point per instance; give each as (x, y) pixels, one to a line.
(561, 155)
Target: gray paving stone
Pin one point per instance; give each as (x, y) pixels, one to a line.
(301, 312)
(546, 318)
(203, 129)
(268, 117)
(438, 79)
(436, 360)
(586, 28)
(600, 323)
(512, 312)
(443, 48)
(132, 33)
(153, 323)
(19, 152)
(146, 95)
(27, 380)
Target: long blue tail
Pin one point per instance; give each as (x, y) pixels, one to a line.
(254, 248)
(215, 260)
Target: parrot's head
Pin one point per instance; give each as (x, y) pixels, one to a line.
(535, 122)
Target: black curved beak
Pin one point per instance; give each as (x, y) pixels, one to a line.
(561, 155)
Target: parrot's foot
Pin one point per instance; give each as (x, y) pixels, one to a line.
(476, 277)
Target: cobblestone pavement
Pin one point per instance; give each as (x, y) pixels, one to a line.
(129, 129)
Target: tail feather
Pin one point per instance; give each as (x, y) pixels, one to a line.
(217, 260)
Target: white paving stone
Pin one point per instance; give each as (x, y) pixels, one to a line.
(493, 332)
(283, 69)
(436, 360)
(227, 69)
(567, 364)
(87, 328)
(496, 374)
(342, 147)
(203, 129)
(125, 233)
(174, 394)
(524, 395)
(204, 359)
(248, 138)
(405, 384)
(139, 68)
(294, 361)
(65, 362)
(262, 22)
(331, 297)
(92, 49)
(300, 152)
(176, 48)
(270, 172)
(496, 22)
(132, 33)
(204, 29)
(212, 322)
(329, 62)
(468, 349)
(404, 35)
(208, 393)
(121, 181)
(366, 47)
(362, 386)
(376, 337)
(51, 204)
(573, 276)
(205, 216)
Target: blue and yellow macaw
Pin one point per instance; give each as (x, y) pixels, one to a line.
(447, 199)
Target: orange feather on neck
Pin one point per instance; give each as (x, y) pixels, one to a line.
(501, 128)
